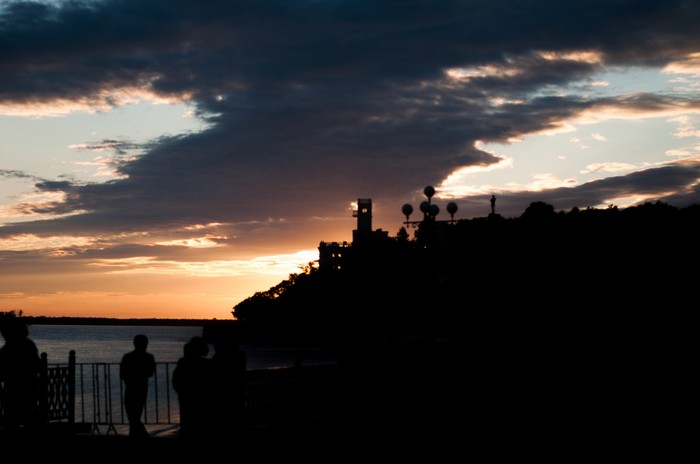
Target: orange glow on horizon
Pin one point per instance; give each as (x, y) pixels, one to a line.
(176, 304)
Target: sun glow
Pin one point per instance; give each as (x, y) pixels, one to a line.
(273, 265)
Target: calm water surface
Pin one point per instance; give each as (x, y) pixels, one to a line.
(108, 343)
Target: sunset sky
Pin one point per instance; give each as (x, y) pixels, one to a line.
(169, 158)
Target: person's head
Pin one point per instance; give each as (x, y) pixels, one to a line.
(196, 347)
(140, 342)
(13, 329)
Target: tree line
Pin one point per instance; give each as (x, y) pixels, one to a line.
(600, 264)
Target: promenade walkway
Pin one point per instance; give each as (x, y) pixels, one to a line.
(324, 438)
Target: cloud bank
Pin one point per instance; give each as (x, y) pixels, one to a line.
(309, 105)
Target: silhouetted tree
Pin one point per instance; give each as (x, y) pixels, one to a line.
(402, 235)
(438, 281)
(538, 210)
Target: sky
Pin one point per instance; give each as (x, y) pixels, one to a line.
(170, 158)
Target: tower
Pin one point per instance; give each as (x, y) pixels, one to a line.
(363, 215)
(365, 246)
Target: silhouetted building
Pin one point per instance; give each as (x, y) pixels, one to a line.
(336, 256)
(363, 213)
(364, 235)
(333, 255)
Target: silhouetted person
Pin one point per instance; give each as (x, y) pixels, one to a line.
(493, 204)
(19, 374)
(191, 381)
(228, 368)
(136, 368)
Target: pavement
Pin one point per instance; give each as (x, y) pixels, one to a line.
(310, 442)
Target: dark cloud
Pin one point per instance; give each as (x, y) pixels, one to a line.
(312, 104)
(118, 147)
(15, 174)
(656, 182)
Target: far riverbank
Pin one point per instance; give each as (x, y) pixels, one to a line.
(68, 320)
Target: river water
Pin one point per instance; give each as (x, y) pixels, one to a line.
(108, 343)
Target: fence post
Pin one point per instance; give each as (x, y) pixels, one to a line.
(43, 389)
(71, 388)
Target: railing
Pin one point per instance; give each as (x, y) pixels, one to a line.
(57, 387)
(89, 397)
(99, 396)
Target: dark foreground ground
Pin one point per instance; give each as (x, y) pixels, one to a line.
(460, 434)
(583, 395)
(316, 440)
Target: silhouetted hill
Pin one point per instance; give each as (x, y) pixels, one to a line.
(491, 273)
(550, 327)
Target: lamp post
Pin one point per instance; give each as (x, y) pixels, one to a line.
(429, 210)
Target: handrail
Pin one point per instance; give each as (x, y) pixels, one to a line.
(102, 401)
(89, 397)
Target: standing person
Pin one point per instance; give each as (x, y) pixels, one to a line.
(136, 368)
(191, 382)
(19, 373)
(228, 370)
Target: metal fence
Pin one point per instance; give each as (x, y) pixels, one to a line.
(89, 397)
(99, 397)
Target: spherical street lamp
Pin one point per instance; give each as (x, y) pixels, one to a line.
(429, 210)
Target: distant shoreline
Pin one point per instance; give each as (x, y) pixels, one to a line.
(211, 328)
(63, 320)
